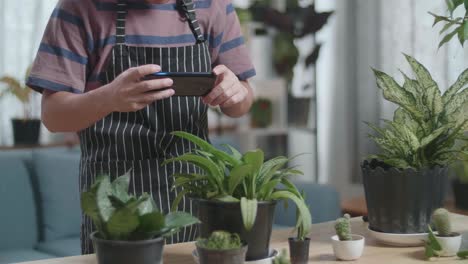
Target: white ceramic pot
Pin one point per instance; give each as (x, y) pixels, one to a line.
(450, 245)
(348, 250)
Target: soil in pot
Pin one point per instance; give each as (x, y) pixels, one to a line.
(125, 252)
(402, 201)
(230, 256)
(460, 191)
(26, 131)
(215, 215)
(299, 250)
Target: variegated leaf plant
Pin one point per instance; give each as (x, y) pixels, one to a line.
(427, 123)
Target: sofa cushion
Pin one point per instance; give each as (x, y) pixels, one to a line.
(18, 228)
(57, 177)
(20, 255)
(62, 248)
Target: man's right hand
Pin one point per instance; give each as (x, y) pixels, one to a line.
(129, 93)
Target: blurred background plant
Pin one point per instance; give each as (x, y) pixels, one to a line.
(20, 91)
(453, 25)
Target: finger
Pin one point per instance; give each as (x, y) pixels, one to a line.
(149, 98)
(152, 85)
(224, 96)
(220, 69)
(139, 72)
(217, 91)
(237, 98)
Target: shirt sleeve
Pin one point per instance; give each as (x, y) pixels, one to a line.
(62, 59)
(231, 51)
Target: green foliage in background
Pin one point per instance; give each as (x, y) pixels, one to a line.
(453, 25)
(21, 92)
(427, 123)
(120, 216)
(220, 240)
(235, 177)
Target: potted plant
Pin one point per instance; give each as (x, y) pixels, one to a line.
(261, 113)
(26, 130)
(221, 248)
(346, 246)
(299, 245)
(448, 242)
(129, 229)
(238, 192)
(407, 181)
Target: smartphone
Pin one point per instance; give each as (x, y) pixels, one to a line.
(187, 83)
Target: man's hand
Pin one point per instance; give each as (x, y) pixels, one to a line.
(228, 90)
(128, 93)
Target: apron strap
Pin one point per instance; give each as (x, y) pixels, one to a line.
(188, 10)
(120, 23)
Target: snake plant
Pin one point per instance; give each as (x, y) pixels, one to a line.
(230, 176)
(427, 124)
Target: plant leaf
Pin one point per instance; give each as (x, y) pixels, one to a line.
(461, 81)
(306, 218)
(150, 225)
(448, 37)
(122, 223)
(237, 175)
(178, 198)
(205, 146)
(235, 153)
(178, 220)
(254, 159)
(103, 202)
(438, 18)
(249, 212)
(147, 207)
(434, 135)
(228, 199)
(120, 187)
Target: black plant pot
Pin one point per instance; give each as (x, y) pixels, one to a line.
(402, 201)
(230, 256)
(298, 111)
(299, 250)
(460, 191)
(215, 215)
(26, 131)
(125, 252)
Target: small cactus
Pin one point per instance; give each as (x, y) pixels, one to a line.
(282, 258)
(441, 221)
(221, 240)
(343, 228)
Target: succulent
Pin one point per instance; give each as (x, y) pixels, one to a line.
(441, 220)
(282, 258)
(120, 216)
(220, 240)
(427, 125)
(230, 176)
(343, 228)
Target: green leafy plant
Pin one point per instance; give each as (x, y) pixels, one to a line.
(235, 177)
(120, 216)
(426, 125)
(21, 92)
(434, 249)
(441, 220)
(282, 258)
(301, 233)
(220, 240)
(454, 25)
(343, 228)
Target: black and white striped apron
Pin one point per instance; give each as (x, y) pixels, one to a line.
(140, 141)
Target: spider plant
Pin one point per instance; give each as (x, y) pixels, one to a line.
(230, 176)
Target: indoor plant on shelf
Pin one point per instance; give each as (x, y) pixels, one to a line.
(26, 130)
(408, 180)
(238, 192)
(221, 248)
(346, 245)
(129, 229)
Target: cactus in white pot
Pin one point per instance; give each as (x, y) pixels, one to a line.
(447, 243)
(346, 245)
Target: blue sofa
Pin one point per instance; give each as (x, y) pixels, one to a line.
(40, 210)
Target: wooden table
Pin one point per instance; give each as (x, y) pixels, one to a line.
(320, 249)
(357, 207)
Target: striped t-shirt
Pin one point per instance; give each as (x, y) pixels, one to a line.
(81, 33)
